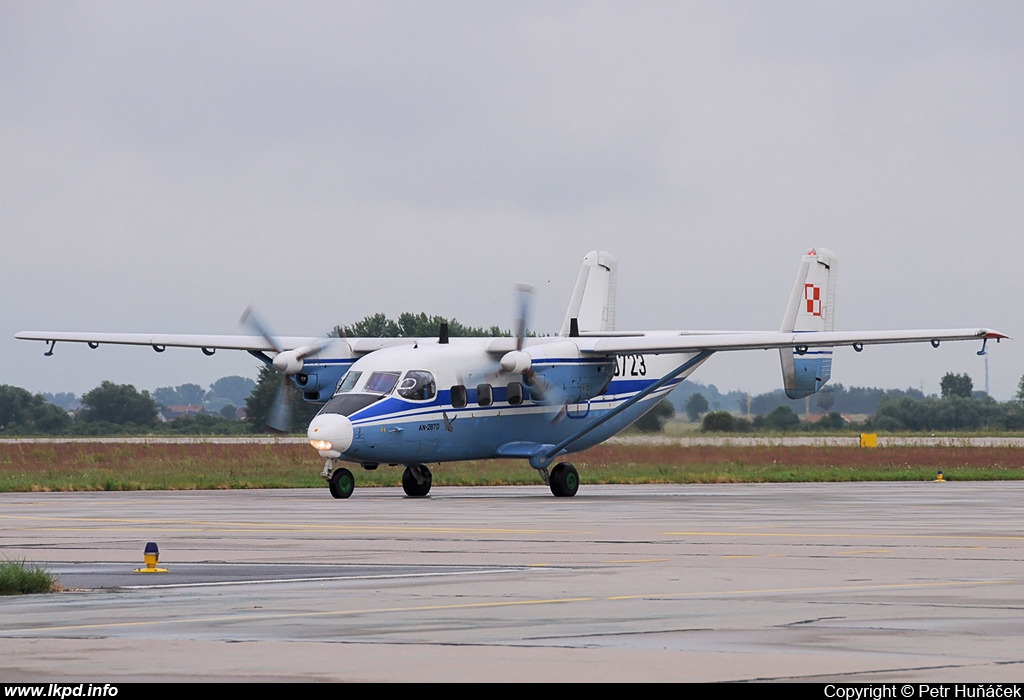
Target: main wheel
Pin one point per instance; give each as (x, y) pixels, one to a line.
(413, 486)
(564, 480)
(342, 483)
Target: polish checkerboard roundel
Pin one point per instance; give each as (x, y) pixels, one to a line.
(812, 297)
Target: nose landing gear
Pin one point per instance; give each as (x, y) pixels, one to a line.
(340, 482)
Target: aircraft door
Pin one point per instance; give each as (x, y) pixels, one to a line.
(577, 411)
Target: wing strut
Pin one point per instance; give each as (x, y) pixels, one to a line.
(554, 451)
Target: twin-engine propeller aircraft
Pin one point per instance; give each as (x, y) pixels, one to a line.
(408, 401)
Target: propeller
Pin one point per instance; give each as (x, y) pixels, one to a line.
(525, 298)
(287, 362)
(519, 361)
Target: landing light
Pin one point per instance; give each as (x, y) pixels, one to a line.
(320, 445)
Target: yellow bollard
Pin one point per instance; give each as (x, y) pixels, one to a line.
(939, 477)
(869, 439)
(151, 556)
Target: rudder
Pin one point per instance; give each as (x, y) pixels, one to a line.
(593, 299)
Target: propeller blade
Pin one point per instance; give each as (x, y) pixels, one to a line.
(252, 319)
(280, 416)
(311, 349)
(525, 294)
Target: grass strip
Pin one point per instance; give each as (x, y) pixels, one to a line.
(128, 467)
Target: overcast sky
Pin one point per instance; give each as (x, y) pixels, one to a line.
(162, 165)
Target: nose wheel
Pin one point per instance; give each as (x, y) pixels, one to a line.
(341, 483)
(416, 480)
(564, 480)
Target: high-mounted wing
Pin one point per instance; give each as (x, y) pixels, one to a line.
(805, 339)
(158, 341)
(658, 343)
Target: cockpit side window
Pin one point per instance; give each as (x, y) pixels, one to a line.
(348, 383)
(381, 382)
(418, 385)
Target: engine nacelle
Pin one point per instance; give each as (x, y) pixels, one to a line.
(288, 362)
(291, 361)
(516, 361)
(317, 379)
(563, 375)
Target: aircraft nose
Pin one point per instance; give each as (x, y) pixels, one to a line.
(330, 434)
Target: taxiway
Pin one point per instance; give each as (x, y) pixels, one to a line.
(853, 582)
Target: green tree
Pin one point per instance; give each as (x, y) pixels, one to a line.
(234, 388)
(21, 412)
(780, 418)
(411, 325)
(954, 413)
(696, 406)
(376, 326)
(654, 420)
(831, 421)
(120, 404)
(182, 395)
(719, 422)
(956, 385)
(1020, 392)
(65, 399)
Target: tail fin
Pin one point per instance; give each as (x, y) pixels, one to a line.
(811, 308)
(593, 299)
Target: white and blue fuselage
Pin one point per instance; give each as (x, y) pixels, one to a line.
(441, 402)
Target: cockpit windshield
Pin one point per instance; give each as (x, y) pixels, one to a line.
(354, 395)
(349, 382)
(381, 382)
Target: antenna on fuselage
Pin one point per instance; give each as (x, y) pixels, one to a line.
(442, 338)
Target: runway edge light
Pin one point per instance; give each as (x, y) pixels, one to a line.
(940, 477)
(151, 556)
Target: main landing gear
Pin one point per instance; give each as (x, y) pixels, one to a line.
(416, 480)
(564, 480)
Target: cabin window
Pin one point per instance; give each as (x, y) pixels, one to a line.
(515, 393)
(459, 396)
(418, 385)
(483, 394)
(348, 382)
(381, 382)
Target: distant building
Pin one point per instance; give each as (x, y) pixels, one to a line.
(177, 411)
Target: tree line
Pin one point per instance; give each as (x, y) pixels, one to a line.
(958, 408)
(109, 409)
